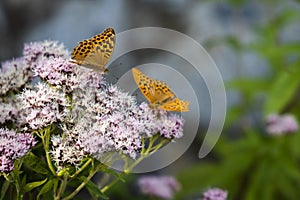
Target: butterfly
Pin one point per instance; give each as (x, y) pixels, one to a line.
(95, 52)
(158, 93)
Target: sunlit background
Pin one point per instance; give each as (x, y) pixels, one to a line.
(244, 39)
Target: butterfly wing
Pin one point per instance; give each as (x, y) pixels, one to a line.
(161, 92)
(155, 91)
(95, 52)
(175, 104)
(80, 51)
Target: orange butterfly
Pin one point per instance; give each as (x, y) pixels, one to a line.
(158, 93)
(95, 52)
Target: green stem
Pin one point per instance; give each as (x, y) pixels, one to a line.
(144, 153)
(17, 185)
(15, 174)
(92, 173)
(45, 136)
(81, 168)
(62, 187)
(158, 146)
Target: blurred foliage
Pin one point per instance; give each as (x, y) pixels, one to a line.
(256, 165)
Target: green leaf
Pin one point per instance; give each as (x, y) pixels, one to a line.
(46, 188)
(35, 163)
(4, 189)
(29, 186)
(281, 92)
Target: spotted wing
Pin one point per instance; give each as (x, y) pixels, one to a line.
(176, 105)
(95, 52)
(156, 92)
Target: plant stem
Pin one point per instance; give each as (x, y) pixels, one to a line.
(92, 173)
(62, 187)
(81, 168)
(45, 136)
(144, 153)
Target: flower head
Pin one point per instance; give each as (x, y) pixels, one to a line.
(49, 61)
(35, 52)
(67, 152)
(214, 194)
(281, 124)
(111, 122)
(171, 126)
(13, 146)
(58, 72)
(14, 75)
(159, 186)
(7, 112)
(43, 106)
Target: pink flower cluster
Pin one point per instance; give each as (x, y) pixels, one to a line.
(94, 117)
(14, 75)
(281, 124)
(7, 112)
(109, 121)
(12, 147)
(214, 194)
(158, 186)
(36, 52)
(43, 106)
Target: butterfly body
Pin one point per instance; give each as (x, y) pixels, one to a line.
(95, 52)
(158, 93)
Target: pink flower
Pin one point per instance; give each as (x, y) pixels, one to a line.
(159, 186)
(214, 194)
(281, 124)
(13, 146)
(43, 106)
(14, 75)
(171, 126)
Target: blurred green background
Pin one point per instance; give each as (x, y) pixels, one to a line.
(256, 46)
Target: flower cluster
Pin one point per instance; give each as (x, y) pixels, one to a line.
(171, 126)
(78, 118)
(13, 146)
(43, 106)
(119, 124)
(14, 75)
(214, 194)
(67, 152)
(7, 112)
(37, 52)
(110, 121)
(49, 61)
(158, 186)
(281, 124)
(94, 117)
